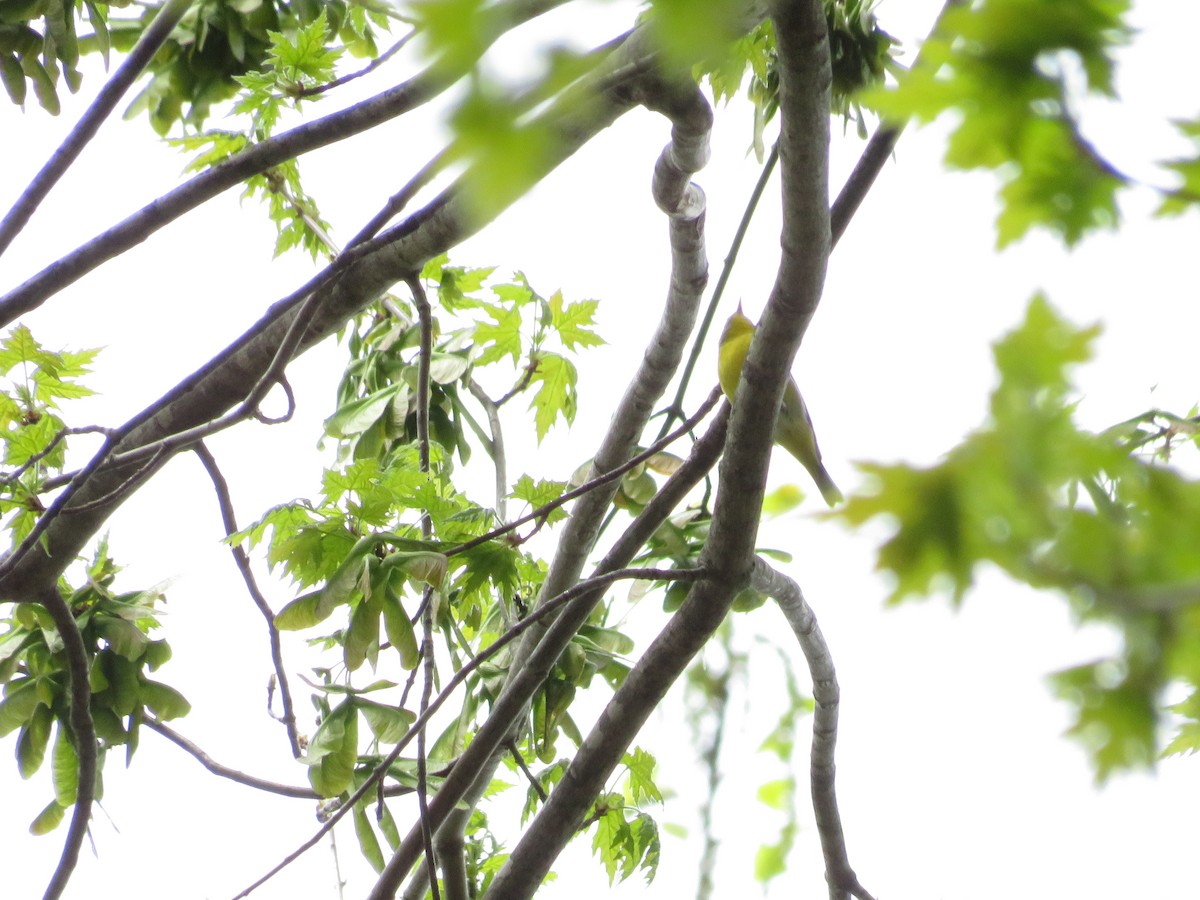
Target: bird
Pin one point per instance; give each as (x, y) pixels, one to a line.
(793, 428)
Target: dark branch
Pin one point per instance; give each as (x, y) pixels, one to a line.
(83, 737)
(522, 686)
(582, 589)
(493, 22)
(871, 163)
(85, 129)
(242, 560)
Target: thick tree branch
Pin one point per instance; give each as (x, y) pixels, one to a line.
(576, 117)
(493, 22)
(728, 553)
(843, 883)
(515, 695)
(597, 583)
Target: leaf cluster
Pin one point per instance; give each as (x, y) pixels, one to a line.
(361, 552)
(33, 434)
(1056, 506)
(216, 43)
(116, 630)
(1013, 69)
(861, 52)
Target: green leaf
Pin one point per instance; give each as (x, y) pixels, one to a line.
(18, 705)
(573, 322)
(770, 861)
(641, 765)
(65, 764)
(499, 338)
(556, 397)
(163, 700)
(688, 39)
(32, 741)
(399, 631)
(445, 368)
(123, 637)
(48, 819)
(303, 612)
(538, 494)
(387, 723)
(1116, 721)
(367, 842)
(782, 500)
(362, 635)
(357, 416)
(777, 794)
(333, 751)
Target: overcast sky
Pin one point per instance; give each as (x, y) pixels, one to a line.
(954, 778)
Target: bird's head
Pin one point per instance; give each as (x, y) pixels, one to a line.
(736, 326)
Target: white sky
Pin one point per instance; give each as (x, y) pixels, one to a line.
(954, 779)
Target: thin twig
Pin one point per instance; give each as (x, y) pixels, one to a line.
(673, 411)
(495, 445)
(876, 153)
(223, 771)
(63, 433)
(365, 70)
(543, 511)
(398, 201)
(271, 787)
(524, 767)
(83, 737)
(242, 561)
(599, 582)
(425, 314)
(159, 454)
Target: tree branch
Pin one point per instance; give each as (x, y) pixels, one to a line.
(223, 771)
(271, 787)
(83, 737)
(89, 123)
(522, 685)
(874, 155)
(425, 315)
(843, 883)
(804, 146)
(242, 560)
(575, 117)
(582, 589)
(673, 411)
(491, 23)
(495, 445)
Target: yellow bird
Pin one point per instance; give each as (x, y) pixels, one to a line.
(793, 428)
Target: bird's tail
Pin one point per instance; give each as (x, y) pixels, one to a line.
(828, 489)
